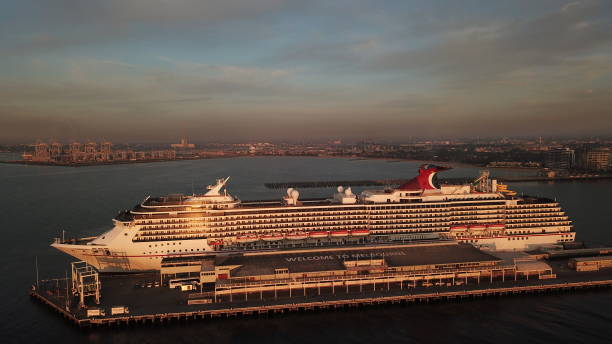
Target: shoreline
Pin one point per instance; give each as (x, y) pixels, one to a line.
(104, 163)
(510, 179)
(123, 162)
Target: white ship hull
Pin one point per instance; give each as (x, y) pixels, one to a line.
(121, 254)
(134, 257)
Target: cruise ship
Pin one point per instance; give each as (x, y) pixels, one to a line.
(482, 212)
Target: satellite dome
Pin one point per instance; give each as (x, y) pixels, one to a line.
(348, 191)
(295, 194)
(340, 189)
(289, 192)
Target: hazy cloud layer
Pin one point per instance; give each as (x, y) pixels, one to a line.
(136, 70)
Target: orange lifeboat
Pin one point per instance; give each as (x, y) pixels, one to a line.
(360, 232)
(339, 234)
(496, 226)
(215, 242)
(247, 238)
(297, 236)
(478, 227)
(459, 228)
(272, 237)
(318, 235)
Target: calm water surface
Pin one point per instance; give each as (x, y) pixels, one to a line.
(38, 202)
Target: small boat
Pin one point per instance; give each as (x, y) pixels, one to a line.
(317, 235)
(247, 238)
(272, 237)
(360, 232)
(338, 234)
(296, 236)
(215, 242)
(458, 228)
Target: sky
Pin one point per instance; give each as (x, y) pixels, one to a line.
(157, 70)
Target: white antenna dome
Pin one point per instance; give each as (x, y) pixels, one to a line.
(340, 189)
(295, 194)
(289, 192)
(348, 191)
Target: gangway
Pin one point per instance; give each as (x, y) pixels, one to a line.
(85, 282)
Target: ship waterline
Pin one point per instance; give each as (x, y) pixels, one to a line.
(483, 213)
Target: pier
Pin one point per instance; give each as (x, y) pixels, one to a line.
(312, 280)
(240, 310)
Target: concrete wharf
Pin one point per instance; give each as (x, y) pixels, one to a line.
(239, 310)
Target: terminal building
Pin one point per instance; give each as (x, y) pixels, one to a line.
(304, 272)
(590, 263)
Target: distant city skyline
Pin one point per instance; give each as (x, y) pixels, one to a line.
(544, 140)
(259, 70)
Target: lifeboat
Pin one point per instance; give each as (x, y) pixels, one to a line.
(318, 235)
(496, 226)
(246, 238)
(272, 237)
(458, 228)
(339, 234)
(215, 242)
(360, 232)
(296, 236)
(478, 227)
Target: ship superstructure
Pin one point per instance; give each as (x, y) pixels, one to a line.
(483, 213)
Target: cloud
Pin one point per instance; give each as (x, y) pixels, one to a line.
(569, 5)
(72, 24)
(100, 81)
(233, 69)
(487, 52)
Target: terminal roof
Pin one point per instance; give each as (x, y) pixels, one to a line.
(329, 260)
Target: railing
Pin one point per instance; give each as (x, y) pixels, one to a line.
(234, 282)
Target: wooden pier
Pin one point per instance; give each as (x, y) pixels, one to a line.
(226, 310)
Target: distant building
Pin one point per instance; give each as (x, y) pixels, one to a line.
(106, 147)
(559, 159)
(598, 160)
(92, 152)
(183, 145)
(41, 152)
(75, 147)
(56, 150)
(91, 147)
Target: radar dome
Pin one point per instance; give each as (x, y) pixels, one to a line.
(289, 192)
(340, 189)
(295, 194)
(348, 191)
